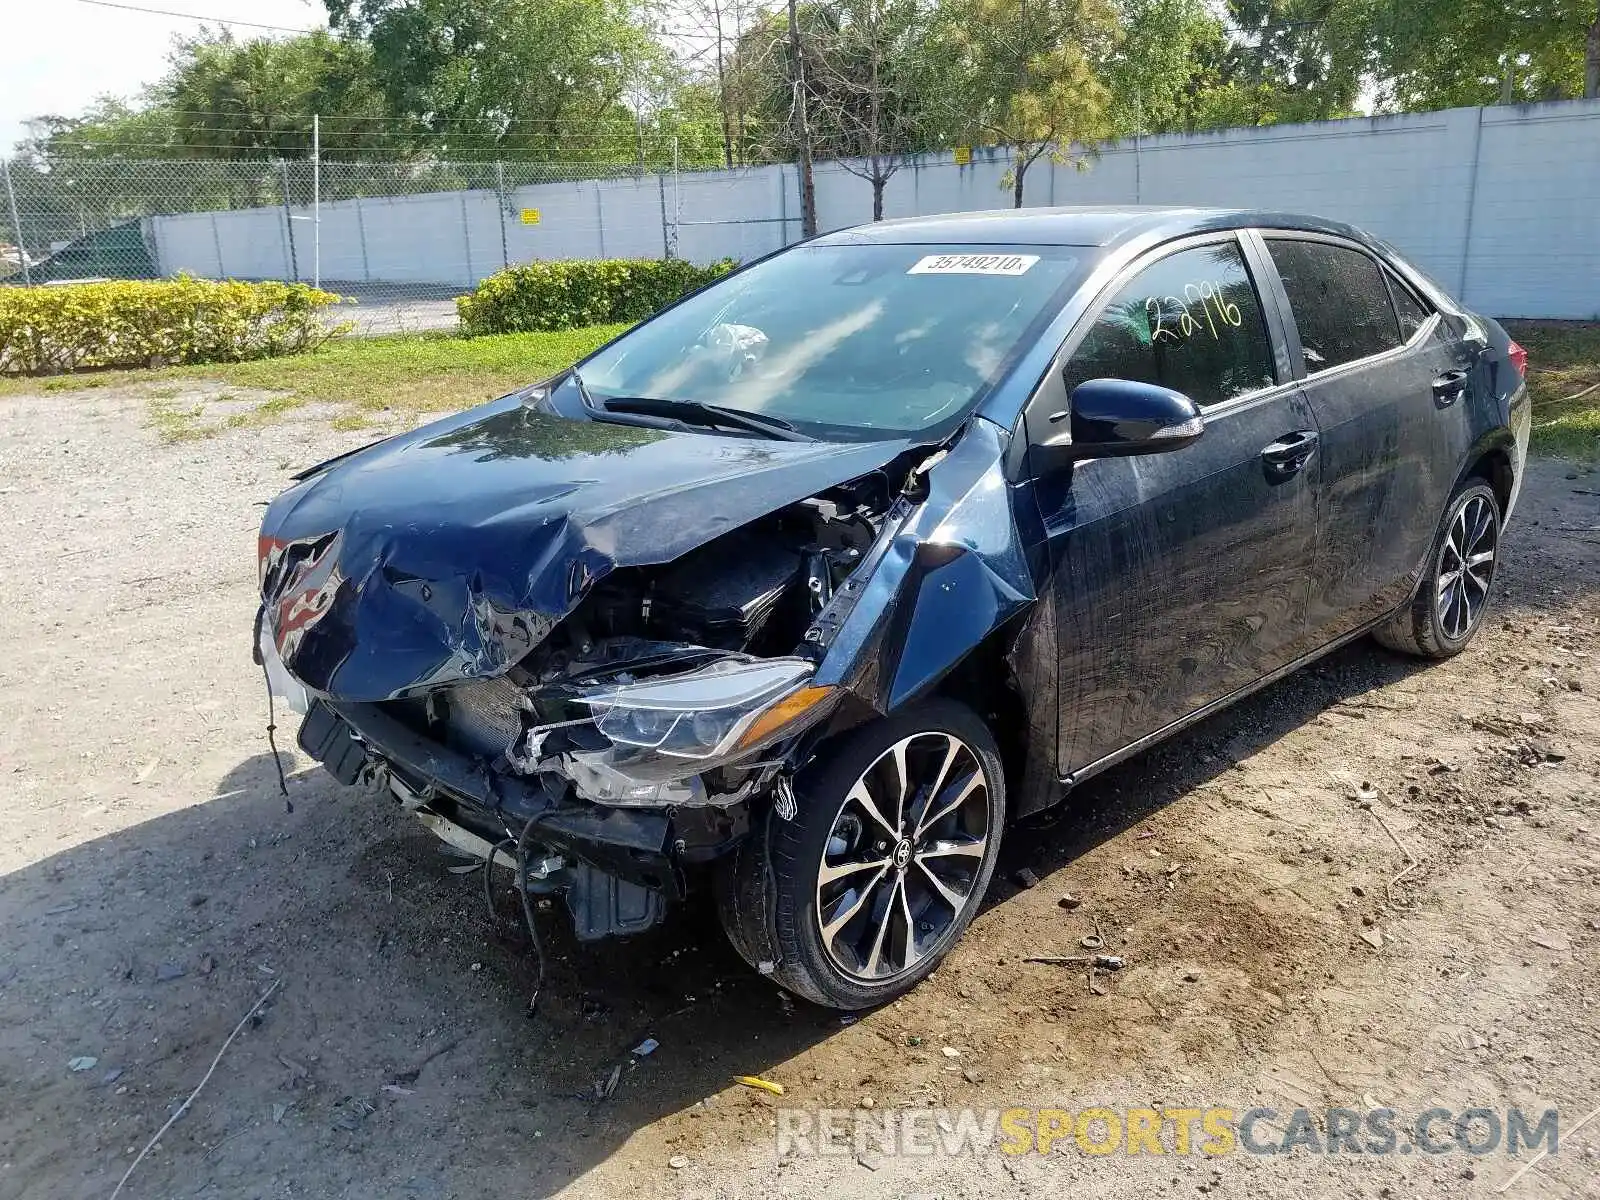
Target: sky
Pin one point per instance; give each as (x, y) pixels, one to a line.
(60, 54)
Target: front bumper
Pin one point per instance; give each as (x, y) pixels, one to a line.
(645, 848)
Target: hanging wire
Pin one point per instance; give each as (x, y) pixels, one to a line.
(183, 16)
(518, 847)
(527, 916)
(272, 741)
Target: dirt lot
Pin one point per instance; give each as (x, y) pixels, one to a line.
(153, 885)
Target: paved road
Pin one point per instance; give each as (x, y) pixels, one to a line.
(397, 307)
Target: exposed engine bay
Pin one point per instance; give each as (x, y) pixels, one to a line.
(747, 596)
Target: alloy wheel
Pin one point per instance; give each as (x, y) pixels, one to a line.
(902, 857)
(1466, 567)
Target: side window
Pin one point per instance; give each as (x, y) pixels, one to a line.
(1190, 322)
(1339, 299)
(1413, 314)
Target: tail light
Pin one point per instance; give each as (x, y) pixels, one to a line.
(1519, 359)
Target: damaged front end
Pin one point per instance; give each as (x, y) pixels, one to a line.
(607, 702)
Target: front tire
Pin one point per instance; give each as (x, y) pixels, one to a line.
(1450, 603)
(859, 897)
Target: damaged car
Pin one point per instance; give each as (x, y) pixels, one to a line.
(804, 589)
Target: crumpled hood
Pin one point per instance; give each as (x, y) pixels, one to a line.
(449, 552)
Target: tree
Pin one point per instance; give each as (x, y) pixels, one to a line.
(109, 125)
(547, 75)
(844, 82)
(869, 96)
(223, 98)
(1167, 63)
(255, 98)
(232, 105)
(1023, 74)
(776, 70)
(1291, 60)
(1591, 64)
(691, 112)
(721, 52)
(1432, 54)
(710, 31)
(802, 124)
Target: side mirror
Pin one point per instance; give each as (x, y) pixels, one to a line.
(1118, 417)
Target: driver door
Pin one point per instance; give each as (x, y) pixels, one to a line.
(1178, 578)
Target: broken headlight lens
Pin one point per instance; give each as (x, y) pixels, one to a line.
(707, 713)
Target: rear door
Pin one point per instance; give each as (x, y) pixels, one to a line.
(1178, 578)
(1386, 385)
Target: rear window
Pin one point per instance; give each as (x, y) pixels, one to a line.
(1339, 299)
(1413, 314)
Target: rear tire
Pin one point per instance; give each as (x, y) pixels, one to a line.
(858, 898)
(1454, 594)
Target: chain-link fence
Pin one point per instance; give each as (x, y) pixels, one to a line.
(1494, 201)
(395, 235)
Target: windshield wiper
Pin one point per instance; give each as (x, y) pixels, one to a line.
(697, 412)
(583, 389)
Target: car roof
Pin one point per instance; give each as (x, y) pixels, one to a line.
(1072, 226)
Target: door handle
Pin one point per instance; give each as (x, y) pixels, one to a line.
(1290, 452)
(1448, 387)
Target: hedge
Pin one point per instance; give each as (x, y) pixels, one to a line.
(547, 296)
(157, 323)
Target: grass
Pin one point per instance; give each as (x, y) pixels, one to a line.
(365, 378)
(404, 373)
(175, 422)
(1564, 381)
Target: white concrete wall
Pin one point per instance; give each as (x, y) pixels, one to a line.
(1505, 214)
(1534, 248)
(1502, 205)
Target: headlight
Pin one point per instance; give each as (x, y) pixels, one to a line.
(731, 706)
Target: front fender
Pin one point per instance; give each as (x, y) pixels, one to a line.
(945, 573)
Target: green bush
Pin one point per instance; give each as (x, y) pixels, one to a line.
(547, 296)
(157, 323)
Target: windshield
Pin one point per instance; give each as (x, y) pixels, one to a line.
(847, 342)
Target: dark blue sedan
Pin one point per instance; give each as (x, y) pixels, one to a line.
(805, 587)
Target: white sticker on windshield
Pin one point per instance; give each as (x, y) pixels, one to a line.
(974, 264)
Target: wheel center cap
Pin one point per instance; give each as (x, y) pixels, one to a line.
(902, 853)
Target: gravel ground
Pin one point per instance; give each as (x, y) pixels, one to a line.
(154, 884)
